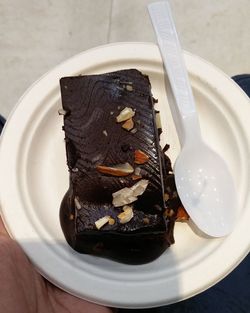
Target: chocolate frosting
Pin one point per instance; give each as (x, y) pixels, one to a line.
(93, 137)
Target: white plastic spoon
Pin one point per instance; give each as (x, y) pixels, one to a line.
(202, 178)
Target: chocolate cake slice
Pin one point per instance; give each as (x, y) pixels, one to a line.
(119, 175)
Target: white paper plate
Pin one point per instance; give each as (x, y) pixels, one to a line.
(34, 179)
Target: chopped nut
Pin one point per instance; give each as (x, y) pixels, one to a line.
(116, 170)
(146, 220)
(105, 133)
(127, 85)
(62, 112)
(158, 120)
(112, 112)
(182, 214)
(71, 217)
(140, 187)
(128, 195)
(137, 171)
(111, 221)
(126, 215)
(129, 88)
(125, 114)
(136, 177)
(128, 125)
(123, 196)
(75, 169)
(140, 157)
(166, 196)
(168, 213)
(77, 203)
(102, 221)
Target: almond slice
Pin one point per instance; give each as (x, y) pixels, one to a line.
(140, 157)
(128, 195)
(122, 197)
(158, 120)
(111, 221)
(102, 221)
(139, 188)
(125, 114)
(182, 214)
(136, 177)
(77, 203)
(116, 170)
(126, 215)
(128, 125)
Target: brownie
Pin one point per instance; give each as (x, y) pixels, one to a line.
(106, 156)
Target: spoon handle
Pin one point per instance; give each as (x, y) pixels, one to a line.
(184, 113)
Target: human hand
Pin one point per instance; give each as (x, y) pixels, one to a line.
(23, 290)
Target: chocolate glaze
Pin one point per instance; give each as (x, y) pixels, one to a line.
(93, 137)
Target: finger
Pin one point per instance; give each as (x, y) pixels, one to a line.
(3, 230)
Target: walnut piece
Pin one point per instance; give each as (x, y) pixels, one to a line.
(128, 125)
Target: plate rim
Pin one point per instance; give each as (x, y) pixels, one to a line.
(129, 303)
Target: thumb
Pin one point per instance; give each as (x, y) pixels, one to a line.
(3, 230)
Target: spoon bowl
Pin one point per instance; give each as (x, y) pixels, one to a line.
(206, 189)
